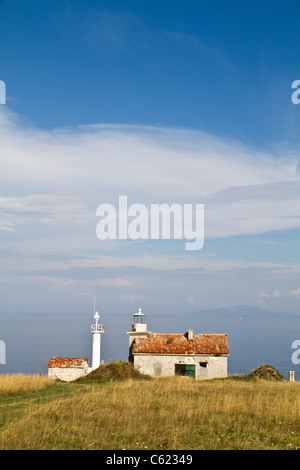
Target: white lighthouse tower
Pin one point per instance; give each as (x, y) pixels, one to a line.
(96, 330)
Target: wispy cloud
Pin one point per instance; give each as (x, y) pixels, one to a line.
(276, 293)
(295, 292)
(67, 173)
(40, 209)
(124, 32)
(53, 181)
(190, 299)
(115, 282)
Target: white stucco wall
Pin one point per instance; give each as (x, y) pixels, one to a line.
(159, 365)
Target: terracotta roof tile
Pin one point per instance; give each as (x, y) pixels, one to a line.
(159, 343)
(68, 362)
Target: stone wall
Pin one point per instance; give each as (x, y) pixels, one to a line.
(67, 374)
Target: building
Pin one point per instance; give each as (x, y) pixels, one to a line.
(67, 368)
(202, 356)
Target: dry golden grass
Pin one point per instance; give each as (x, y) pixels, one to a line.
(19, 383)
(175, 413)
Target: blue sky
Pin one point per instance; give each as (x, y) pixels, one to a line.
(201, 65)
(186, 102)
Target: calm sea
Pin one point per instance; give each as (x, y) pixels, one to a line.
(31, 340)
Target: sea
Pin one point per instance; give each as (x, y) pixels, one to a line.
(255, 337)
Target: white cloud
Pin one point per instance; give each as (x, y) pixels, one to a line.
(114, 282)
(40, 209)
(129, 296)
(276, 293)
(263, 295)
(68, 172)
(53, 181)
(295, 293)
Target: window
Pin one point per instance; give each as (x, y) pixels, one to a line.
(203, 364)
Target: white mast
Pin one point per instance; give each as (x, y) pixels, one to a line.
(96, 330)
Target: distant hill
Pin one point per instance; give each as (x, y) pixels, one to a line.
(237, 311)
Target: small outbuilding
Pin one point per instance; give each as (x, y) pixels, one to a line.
(68, 368)
(201, 356)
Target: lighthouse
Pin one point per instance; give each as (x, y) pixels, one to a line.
(96, 330)
(139, 327)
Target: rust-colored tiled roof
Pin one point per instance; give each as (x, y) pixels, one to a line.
(68, 362)
(159, 343)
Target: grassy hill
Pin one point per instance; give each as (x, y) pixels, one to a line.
(176, 413)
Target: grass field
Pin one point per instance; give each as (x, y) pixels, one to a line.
(174, 413)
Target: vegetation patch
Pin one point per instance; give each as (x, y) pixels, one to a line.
(14, 384)
(121, 370)
(157, 414)
(267, 372)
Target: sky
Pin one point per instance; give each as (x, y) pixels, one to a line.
(163, 102)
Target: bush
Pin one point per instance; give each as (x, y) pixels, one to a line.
(267, 372)
(121, 370)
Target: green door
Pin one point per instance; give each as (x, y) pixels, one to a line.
(190, 370)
